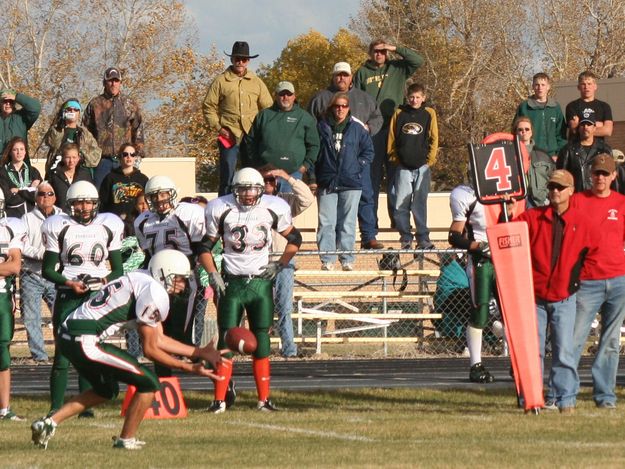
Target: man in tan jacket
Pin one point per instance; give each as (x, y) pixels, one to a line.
(233, 100)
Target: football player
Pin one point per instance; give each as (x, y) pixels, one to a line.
(12, 239)
(81, 244)
(244, 220)
(139, 300)
(172, 225)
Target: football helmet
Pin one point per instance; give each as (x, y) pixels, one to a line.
(166, 264)
(82, 191)
(248, 186)
(155, 186)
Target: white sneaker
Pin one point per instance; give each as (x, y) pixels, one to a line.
(217, 407)
(42, 430)
(128, 443)
(348, 267)
(326, 266)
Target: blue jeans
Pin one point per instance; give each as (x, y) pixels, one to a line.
(560, 317)
(227, 166)
(283, 303)
(337, 223)
(608, 298)
(367, 214)
(379, 165)
(34, 288)
(411, 188)
(284, 186)
(101, 171)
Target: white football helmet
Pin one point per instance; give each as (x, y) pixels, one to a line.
(82, 191)
(248, 186)
(153, 188)
(168, 263)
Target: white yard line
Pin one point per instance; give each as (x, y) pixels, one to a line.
(325, 434)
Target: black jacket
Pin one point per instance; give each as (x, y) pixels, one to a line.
(577, 161)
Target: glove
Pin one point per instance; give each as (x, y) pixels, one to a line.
(215, 281)
(484, 249)
(92, 283)
(270, 271)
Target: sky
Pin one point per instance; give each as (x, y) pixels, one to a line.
(266, 25)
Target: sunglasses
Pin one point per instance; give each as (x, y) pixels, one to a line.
(341, 106)
(523, 129)
(555, 187)
(127, 153)
(45, 194)
(285, 93)
(269, 180)
(237, 58)
(379, 51)
(600, 173)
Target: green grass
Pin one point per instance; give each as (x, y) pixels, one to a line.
(345, 428)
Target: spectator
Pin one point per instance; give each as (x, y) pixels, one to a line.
(68, 172)
(283, 136)
(546, 116)
(541, 165)
(559, 240)
(412, 148)
(66, 129)
(34, 288)
(577, 155)
(232, 101)
(299, 200)
(385, 80)
(113, 118)
(18, 179)
(365, 109)
(121, 186)
(602, 288)
(468, 231)
(587, 107)
(12, 239)
(13, 122)
(346, 150)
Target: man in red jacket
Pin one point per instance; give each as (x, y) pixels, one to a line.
(559, 240)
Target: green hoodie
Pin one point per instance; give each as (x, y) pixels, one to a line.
(387, 84)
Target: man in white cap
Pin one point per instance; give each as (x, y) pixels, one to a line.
(364, 108)
(233, 100)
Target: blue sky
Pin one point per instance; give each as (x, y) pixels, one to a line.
(266, 25)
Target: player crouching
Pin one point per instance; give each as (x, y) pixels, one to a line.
(138, 299)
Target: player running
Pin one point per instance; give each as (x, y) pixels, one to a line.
(78, 247)
(136, 300)
(244, 220)
(12, 239)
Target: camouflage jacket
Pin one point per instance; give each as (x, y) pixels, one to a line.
(89, 150)
(114, 120)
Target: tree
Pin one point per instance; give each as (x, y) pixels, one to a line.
(307, 61)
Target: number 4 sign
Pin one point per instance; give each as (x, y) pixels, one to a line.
(497, 170)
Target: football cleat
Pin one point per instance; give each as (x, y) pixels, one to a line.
(266, 406)
(86, 414)
(42, 430)
(12, 416)
(128, 443)
(217, 407)
(479, 374)
(231, 394)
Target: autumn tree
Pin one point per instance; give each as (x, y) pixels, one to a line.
(308, 59)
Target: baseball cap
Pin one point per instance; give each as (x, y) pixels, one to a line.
(285, 86)
(112, 73)
(587, 117)
(342, 67)
(561, 177)
(603, 162)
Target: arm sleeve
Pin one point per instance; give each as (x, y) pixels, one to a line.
(411, 61)
(311, 141)
(117, 265)
(210, 104)
(433, 138)
(31, 108)
(390, 142)
(48, 270)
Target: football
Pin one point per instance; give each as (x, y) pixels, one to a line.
(240, 339)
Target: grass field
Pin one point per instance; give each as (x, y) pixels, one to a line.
(345, 428)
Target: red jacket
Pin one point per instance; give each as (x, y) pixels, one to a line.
(563, 281)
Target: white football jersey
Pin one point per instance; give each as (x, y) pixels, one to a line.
(182, 226)
(83, 249)
(135, 298)
(460, 201)
(12, 236)
(246, 231)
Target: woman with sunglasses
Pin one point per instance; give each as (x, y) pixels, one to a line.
(541, 165)
(346, 150)
(123, 184)
(66, 128)
(18, 179)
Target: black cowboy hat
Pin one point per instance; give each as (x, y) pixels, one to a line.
(241, 49)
